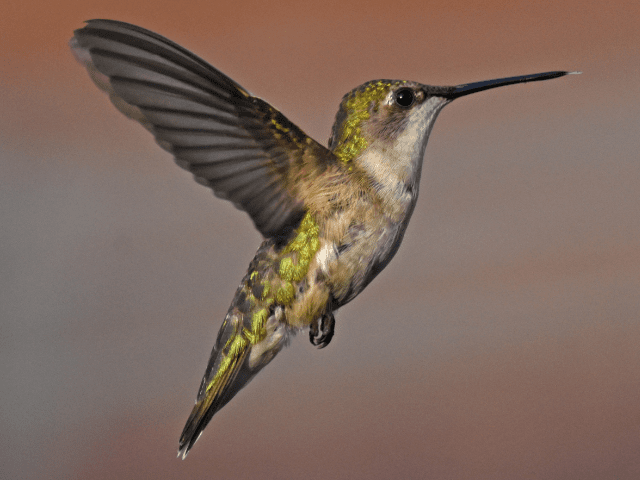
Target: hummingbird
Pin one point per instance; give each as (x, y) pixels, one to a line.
(332, 217)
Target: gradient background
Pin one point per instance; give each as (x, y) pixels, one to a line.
(503, 340)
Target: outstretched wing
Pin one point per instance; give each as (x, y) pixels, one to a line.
(236, 144)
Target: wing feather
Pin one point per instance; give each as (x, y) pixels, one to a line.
(236, 144)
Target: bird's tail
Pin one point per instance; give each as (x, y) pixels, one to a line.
(252, 333)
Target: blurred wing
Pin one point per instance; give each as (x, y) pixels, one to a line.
(236, 144)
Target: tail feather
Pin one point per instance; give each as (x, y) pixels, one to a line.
(252, 333)
(254, 330)
(228, 372)
(233, 377)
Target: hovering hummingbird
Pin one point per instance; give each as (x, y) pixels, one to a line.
(332, 217)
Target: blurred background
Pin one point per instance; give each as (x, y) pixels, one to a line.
(503, 340)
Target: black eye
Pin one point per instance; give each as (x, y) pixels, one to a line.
(405, 97)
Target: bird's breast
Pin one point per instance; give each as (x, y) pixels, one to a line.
(369, 243)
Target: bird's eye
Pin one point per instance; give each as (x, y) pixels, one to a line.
(405, 97)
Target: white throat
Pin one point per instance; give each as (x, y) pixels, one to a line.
(396, 166)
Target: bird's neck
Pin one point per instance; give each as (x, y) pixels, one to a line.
(394, 165)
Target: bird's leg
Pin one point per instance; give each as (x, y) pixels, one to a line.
(321, 330)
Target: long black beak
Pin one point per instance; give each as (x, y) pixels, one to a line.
(469, 88)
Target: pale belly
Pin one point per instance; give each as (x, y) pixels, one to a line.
(350, 267)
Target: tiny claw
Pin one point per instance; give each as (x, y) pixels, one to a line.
(321, 330)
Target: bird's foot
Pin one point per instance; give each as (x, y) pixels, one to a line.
(321, 330)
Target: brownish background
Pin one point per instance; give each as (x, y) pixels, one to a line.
(501, 343)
